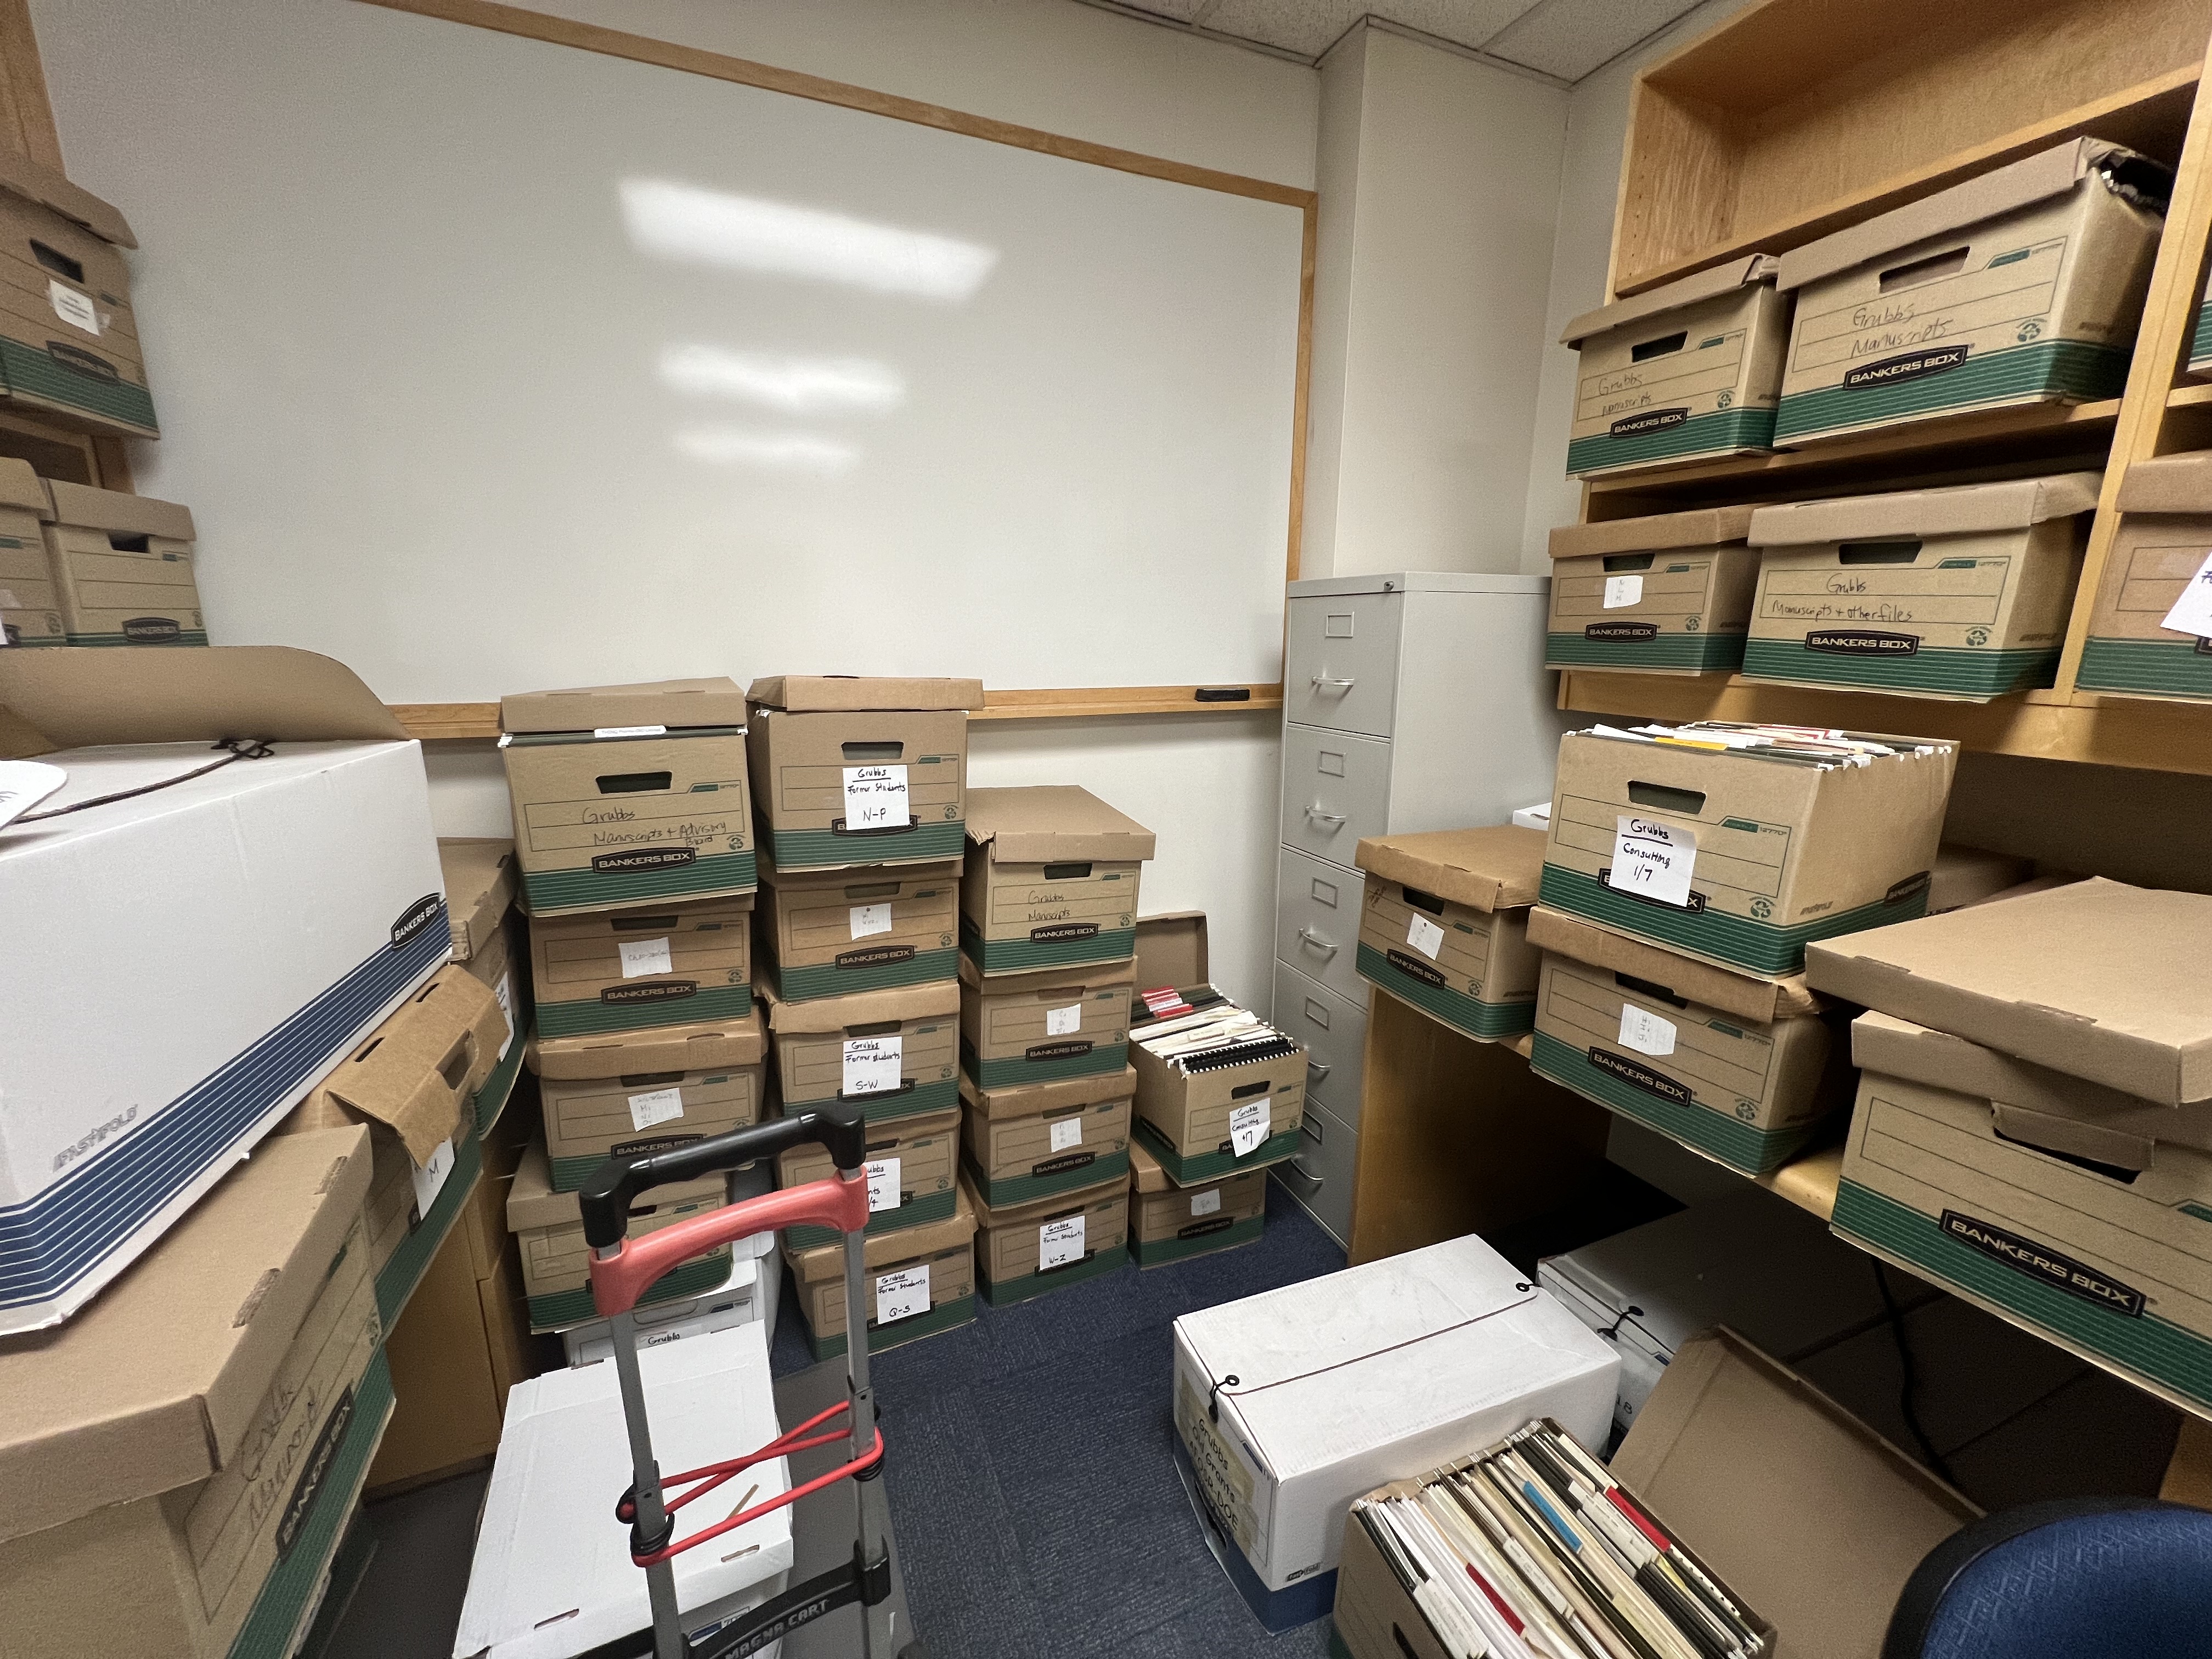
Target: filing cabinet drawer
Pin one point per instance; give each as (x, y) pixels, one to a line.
(1319, 1175)
(1340, 662)
(1336, 789)
(1317, 922)
(1334, 1030)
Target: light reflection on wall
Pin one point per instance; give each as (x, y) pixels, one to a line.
(797, 385)
(801, 452)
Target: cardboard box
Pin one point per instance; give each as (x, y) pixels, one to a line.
(295, 897)
(2199, 363)
(30, 604)
(629, 970)
(1444, 924)
(858, 771)
(1021, 1029)
(2162, 549)
(1759, 1000)
(898, 1052)
(1959, 593)
(1168, 1223)
(68, 340)
(1051, 879)
(1781, 853)
(2095, 979)
(481, 878)
(1745, 1095)
(914, 1167)
(1347, 1379)
(2023, 285)
(747, 1297)
(556, 1262)
(1664, 595)
(835, 932)
(1026, 1144)
(924, 1277)
(1684, 372)
(628, 794)
(188, 1447)
(1970, 875)
(1024, 1250)
(123, 567)
(502, 966)
(649, 1107)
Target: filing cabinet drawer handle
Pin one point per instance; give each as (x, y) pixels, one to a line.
(1317, 940)
(1315, 811)
(1323, 682)
(1297, 1166)
(1318, 1069)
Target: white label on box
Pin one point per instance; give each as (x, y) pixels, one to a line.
(1067, 1133)
(430, 1180)
(504, 992)
(2192, 612)
(9, 601)
(73, 307)
(872, 1064)
(1652, 860)
(1247, 1126)
(657, 1106)
(1205, 1203)
(901, 1295)
(1060, 1243)
(875, 798)
(867, 919)
(1646, 1032)
(882, 1184)
(640, 957)
(1425, 936)
(24, 783)
(1063, 1022)
(1623, 590)
(629, 730)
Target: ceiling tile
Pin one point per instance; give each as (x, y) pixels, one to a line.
(1309, 28)
(1570, 38)
(1179, 11)
(1462, 22)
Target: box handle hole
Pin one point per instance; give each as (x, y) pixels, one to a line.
(1933, 268)
(1662, 798)
(634, 783)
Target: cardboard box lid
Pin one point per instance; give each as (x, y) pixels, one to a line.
(2095, 979)
(823, 1261)
(1035, 981)
(1049, 823)
(1147, 1176)
(1499, 867)
(1061, 1095)
(2049, 173)
(1706, 526)
(112, 509)
(20, 487)
(1803, 1511)
(2169, 484)
(816, 693)
(1172, 951)
(417, 1071)
(480, 887)
(826, 1014)
(724, 910)
(19, 174)
(78, 697)
(532, 1202)
(1761, 1000)
(1960, 510)
(1740, 272)
(1113, 1188)
(714, 700)
(154, 1385)
(809, 880)
(702, 1046)
(1969, 875)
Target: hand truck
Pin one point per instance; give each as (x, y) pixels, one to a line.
(622, 1269)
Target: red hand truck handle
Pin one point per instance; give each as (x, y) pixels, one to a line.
(631, 1269)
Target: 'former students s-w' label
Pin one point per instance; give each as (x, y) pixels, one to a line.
(1652, 860)
(875, 798)
(872, 1064)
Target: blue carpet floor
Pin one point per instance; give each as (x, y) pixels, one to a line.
(1037, 1511)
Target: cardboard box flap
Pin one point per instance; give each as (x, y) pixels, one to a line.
(1051, 823)
(2049, 173)
(702, 1046)
(1736, 273)
(2169, 484)
(818, 693)
(79, 696)
(826, 1014)
(2096, 979)
(1146, 1173)
(1496, 868)
(532, 1203)
(823, 1261)
(25, 178)
(21, 487)
(807, 879)
(154, 1385)
(417, 1070)
(714, 700)
(1971, 875)
(1961, 510)
(480, 886)
(1172, 951)
(1762, 1000)
(112, 509)
(1800, 1508)
(1707, 527)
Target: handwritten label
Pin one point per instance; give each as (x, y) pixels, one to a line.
(1067, 1133)
(1060, 1243)
(430, 1180)
(875, 798)
(640, 957)
(1425, 936)
(1247, 1126)
(869, 919)
(901, 1295)
(24, 783)
(629, 730)
(2192, 612)
(503, 993)
(1653, 859)
(1645, 1032)
(655, 1106)
(882, 1184)
(872, 1064)
(1205, 1203)
(73, 307)
(1063, 1022)
(1623, 591)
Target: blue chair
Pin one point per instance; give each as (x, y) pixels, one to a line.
(2075, 1578)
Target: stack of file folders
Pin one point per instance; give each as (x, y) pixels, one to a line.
(1214, 1034)
(1530, 1550)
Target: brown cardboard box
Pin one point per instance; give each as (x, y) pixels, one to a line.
(122, 567)
(833, 933)
(648, 1107)
(1026, 1144)
(1168, 1223)
(1969, 875)
(856, 771)
(1444, 924)
(1684, 372)
(1021, 1029)
(1782, 853)
(1051, 880)
(1759, 1000)
(481, 879)
(923, 1276)
(627, 970)
(2095, 979)
(914, 1165)
(549, 1227)
(30, 604)
(236, 1357)
(1023, 1251)
(68, 340)
(1670, 594)
(2023, 285)
(2164, 543)
(628, 794)
(898, 1052)
(1959, 593)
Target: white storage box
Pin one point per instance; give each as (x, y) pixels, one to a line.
(748, 1297)
(183, 965)
(552, 1576)
(1291, 1404)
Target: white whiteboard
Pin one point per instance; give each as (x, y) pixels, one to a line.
(487, 364)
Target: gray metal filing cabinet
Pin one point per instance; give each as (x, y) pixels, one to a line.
(1412, 701)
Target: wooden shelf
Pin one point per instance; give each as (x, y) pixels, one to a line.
(1810, 1183)
(2189, 397)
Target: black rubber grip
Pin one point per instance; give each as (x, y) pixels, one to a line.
(607, 1195)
